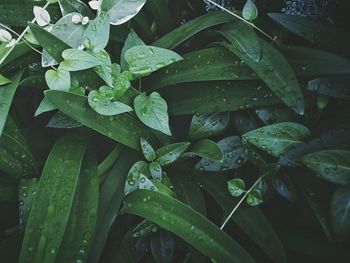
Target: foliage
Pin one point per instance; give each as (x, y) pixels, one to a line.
(130, 134)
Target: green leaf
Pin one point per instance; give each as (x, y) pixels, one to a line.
(133, 178)
(52, 203)
(170, 153)
(132, 40)
(97, 33)
(249, 12)
(285, 187)
(242, 35)
(6, 96)
(254, 198)
(236, 187)
(58, 79)
(104, 103)
(233, 156)
(121, 11)
(4, 80)
(333, 86)
(82, 219)
(61, 121)
(162, 246)
(207, 125)
(340, 208)
(275, 71)
(27, 189)
(147, 150)
(144, 59)
(104, 70)
(75, 60)
(276, 139)
(74, 6)
(156, 171)
(153, 112)
(275, 113)
(207, 149)
(187, 223)
(330, 165)
(123, 128)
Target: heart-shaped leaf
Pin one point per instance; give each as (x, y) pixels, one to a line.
(153, 112)
(132, 40)
(103, 102)
(236, 187)
(75, 60)
(249, 12)
(120, 11)
(97, 33)
(58, 79)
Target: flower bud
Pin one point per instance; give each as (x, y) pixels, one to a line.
(5, 36)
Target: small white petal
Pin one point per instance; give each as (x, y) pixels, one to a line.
(5, 36)
(85, 20)
(11, 43)
(76, 19)
(81, 47)
(41, 15)
(95, 5)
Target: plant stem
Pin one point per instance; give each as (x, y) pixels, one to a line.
(107, 163)
(20, 37)
(240, 202)
(243, 20)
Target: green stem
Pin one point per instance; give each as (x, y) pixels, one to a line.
(107, 163)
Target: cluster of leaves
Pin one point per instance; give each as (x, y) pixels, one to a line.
(114, 150)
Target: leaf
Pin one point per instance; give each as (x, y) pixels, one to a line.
(75, 60)
(254, 198)
(233, 156)
(207, 149)
(186, 223)
(189, 29)
(249, 12)
(61, 121)
(6, 96)
(229, 96)
(277, 139)
(147, 184)
(52, 203)
(331, 165)
(120, 11)
(143, 59)
(133, 178)
(105, 69)
(4, 80)
(156, 171)
(74, 6)
(207, 125)
(97, 33)
(170, 153)
(27, 189)
(275, 113)
(242, 35)
(58, 79)
(275, 71)
(132, 40)
(236, 187)
(162, 246)
(123, 128)
(333, 86)
(285, 187)
(104, 103)
(340, 215)
(147, 150)
(41, 15)
(152, 111)
(82, 219)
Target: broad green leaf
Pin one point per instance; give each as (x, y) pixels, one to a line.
(103, 102)
(338, 137)
(51, 206)
(330, 165)
(333, 86)
(242, 35)
(4, 80)
(58, 79)
(170, 153)
(152, 110)
(147, 150)
(97, 33)
(254, 198)
(207, 149)
(82, 219)
(274, 70)
(74, 6)
(163, 246)
(340, 208)
(189, 29)
(6, 96)
(61, 121)
(75, 60)
(207, 125)
(187, 223)
(277, 139)
(132, 40)
(143, 59)
(249, 12)
(123, 128)
(26, 191)
(121, 11)
(233, 156)
(236, 187)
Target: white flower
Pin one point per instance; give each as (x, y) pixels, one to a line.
(81, 47)
(95, 5)
(85, 20)
(11, 43)
(76, 19)
(41, 15)
(5, 36)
